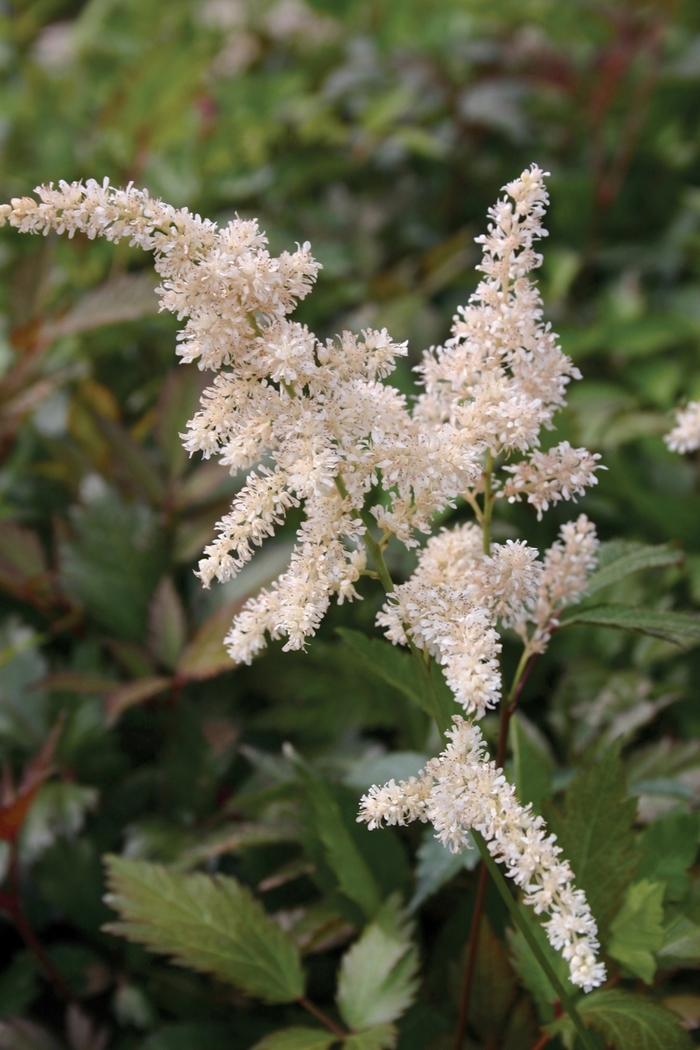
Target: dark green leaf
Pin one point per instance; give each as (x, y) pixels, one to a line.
(681, 629)
(594, 829)
(624, 558)
(532, 762)
(353, 874)
(630, 1022)
(211, 924)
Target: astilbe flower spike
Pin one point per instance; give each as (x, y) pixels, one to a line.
(461, 790)
(313, 425)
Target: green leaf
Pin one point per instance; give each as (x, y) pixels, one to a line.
(167, 628)
(211, 924)
(636, 932)
(378, 974)
(622, 558)
(630, 1022)
(297, 1039)
(177, 404)
(112, 564)
(354, 875)
(681, 629)
(494, 988)
(532, 763)
(397, 668)
(436, 865)
(60, 809)
(668, 848)
(594, 829)
(681, 943)
(531, 973)
(19, 985)
(394, 666)
(380, 1037)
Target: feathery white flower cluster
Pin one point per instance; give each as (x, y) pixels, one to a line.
(546, 478)
(451, 603)
(461, 790)
(502, 375)
(566, 567)
(685, 436)
(314, 418)
(313, 425)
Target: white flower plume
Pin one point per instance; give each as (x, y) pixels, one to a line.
(462, 790)
(314, 426)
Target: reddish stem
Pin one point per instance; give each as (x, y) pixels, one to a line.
(12, 904)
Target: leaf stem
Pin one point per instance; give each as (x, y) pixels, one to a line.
(321, 1016)
(522, 921)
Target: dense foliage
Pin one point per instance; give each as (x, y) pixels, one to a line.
(222, 800)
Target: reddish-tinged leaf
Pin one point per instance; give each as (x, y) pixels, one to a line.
(205, 656)
(133, 693)
(178, 403)
(76, 682)
(23, 569)
(15, 803)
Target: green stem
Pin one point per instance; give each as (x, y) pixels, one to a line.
(523, 923)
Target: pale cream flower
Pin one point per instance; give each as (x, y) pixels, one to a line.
(462, 790)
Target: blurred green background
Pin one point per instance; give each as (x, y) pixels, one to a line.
(381, 132)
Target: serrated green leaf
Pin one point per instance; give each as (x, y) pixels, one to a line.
(629, 1022)
(636, 932)
(297, 1039)
(380, 1037)
(436, 865)
(682, 629)
(112, 564)
(353, 874)
(378, 974)
(594, 829)
(624, 558)
(532, 762)
(211, 924)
